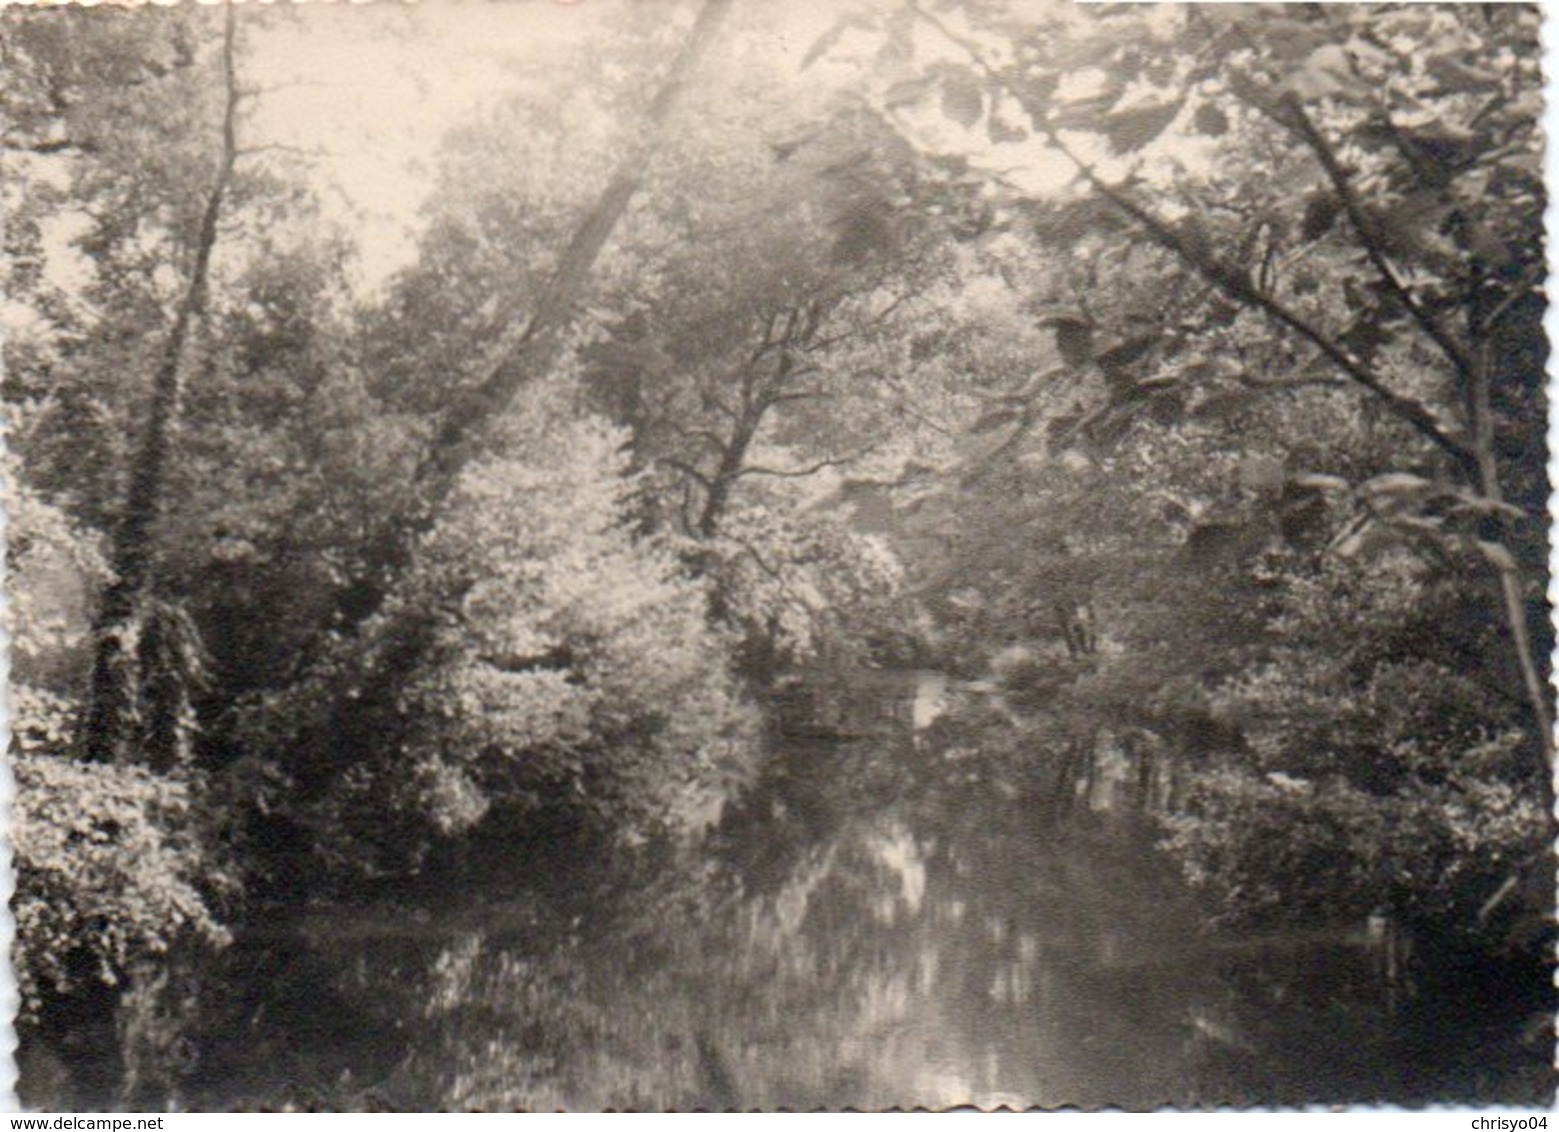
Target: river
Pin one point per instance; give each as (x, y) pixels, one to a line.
(875, 924)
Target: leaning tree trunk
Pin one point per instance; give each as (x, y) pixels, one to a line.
(372, 676)
(468, 423)
(111, 729)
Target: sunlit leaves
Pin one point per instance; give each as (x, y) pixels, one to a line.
(579, 666)
(1423, 853)
(108, 867)
(55, 568)
(1106, 403)
(795, 581)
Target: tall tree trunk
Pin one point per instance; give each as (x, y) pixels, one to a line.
(466, 426)
(110, 732)
(723, 481)
(371, 677)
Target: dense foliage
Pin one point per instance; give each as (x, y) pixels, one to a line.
(569, 662)
(1175, 373)
(1286, 527)
(110, 871)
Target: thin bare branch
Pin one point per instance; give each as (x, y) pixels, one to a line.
(809, 470)
(45, 148)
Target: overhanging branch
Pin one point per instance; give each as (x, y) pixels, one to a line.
(1232, 280)
(1290, 112)
(1233, 283)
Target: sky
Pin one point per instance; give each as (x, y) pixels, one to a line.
(362, 93)
(375, 86)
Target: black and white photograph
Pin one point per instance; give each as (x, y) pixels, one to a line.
(673, 555)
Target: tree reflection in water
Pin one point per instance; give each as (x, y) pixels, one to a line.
(860, 932)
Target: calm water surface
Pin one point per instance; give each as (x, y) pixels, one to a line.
(869, 928)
